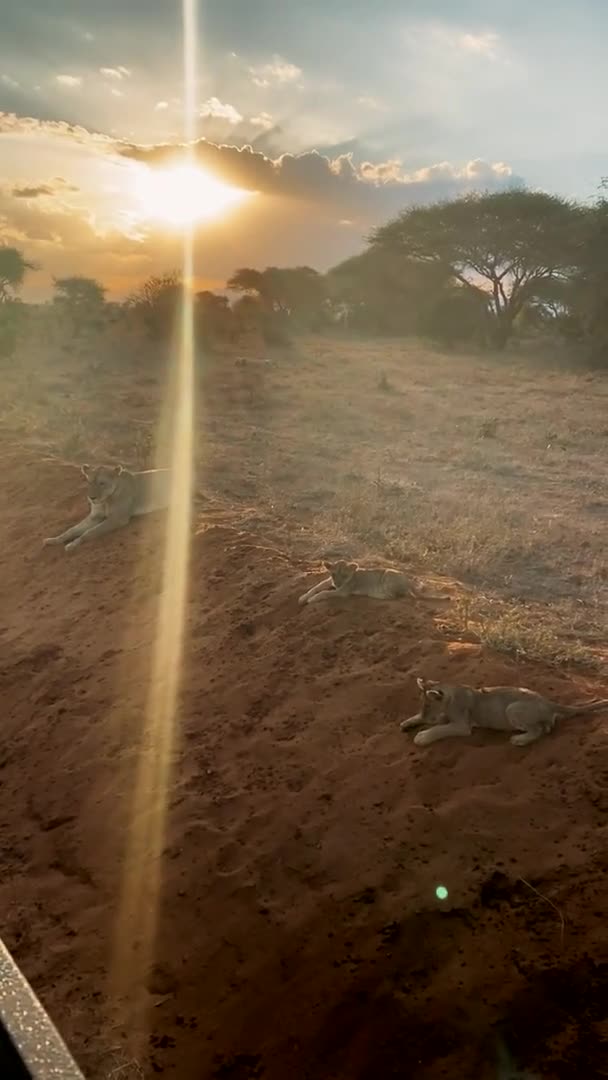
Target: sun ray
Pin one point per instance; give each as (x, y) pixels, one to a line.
(141, 887)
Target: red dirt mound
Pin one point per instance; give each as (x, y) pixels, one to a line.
(300, 931)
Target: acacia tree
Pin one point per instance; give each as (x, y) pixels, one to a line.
(384, 291)
(585, 302)
(79, 292)
(82, 300)
(13, 268)
(507, 243)
(294, 292)
(247, 280)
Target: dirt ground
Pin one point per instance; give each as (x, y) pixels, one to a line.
(300, 931)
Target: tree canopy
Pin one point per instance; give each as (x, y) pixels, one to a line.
(13, 268)
(214, 317)
(79, 292)
(386, 291)
(476, 268)
(506, 243)
(297, 291)
(587, 295)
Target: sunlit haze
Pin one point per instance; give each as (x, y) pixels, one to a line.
(336, 115)
(293, 782)
(183, 194)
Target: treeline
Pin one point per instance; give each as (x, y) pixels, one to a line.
(478, 269)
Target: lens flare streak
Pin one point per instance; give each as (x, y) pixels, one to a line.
(141, 886)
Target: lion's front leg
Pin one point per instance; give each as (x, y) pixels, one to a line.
(412, 722)
(442, 731)
(72, 533)
(98, 529)
(321, 587)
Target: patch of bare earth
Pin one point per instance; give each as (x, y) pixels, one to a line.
(300, 930)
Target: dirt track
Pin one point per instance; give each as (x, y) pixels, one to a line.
(300, 933)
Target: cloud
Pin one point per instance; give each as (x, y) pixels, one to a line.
(61, 237)
(368, 191)
(26, 192)
(264, 121)
(277, 72)
(69, 81)
(32, 127)
(365, 188)
(35, 219)
(35, 191)
(383, 172)
(371, 103)
(117, 93)
(116, 73)
(219, 111)
(161, 106)
(10, 82)
(312, 208)
(485, 44)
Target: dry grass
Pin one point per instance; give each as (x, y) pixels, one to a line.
(490, 471)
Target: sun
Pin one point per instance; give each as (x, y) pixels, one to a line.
(181, 195)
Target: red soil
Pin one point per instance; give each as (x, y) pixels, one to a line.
(300, 935)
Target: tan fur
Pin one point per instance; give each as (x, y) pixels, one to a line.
(115, 496)
(458, 710)
(349, 579)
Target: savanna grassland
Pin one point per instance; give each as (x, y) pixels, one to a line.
(300, 932)
(488, 469)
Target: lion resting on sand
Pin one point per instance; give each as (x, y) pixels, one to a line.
(350, 579)
(115, 496)
(458, 710)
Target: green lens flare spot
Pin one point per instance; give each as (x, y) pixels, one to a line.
(441, 892)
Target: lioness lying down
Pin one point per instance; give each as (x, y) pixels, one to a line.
(115, 496)
(349, 579)
(457, 710)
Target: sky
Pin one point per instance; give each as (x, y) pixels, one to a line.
(331, 117)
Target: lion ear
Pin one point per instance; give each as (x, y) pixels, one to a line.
(118, 469)
(85, 470)
(352, 566)
(431, 689)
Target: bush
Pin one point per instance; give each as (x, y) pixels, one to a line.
(156, 303)
(215, 320)
(12, 317)
(275, 328)
(458, 317)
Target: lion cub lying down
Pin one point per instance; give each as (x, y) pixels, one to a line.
(457, 710)
(115, 496)
(350, 579)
